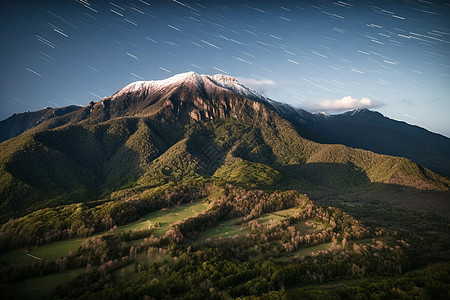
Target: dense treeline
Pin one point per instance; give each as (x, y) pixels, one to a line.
(208, 274)
(432, 282)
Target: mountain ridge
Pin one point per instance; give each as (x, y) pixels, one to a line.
(21, 122)
(370, 130)
(374, 129)
(361, 128)
(137, 139)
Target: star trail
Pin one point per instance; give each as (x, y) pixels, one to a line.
(391, 56)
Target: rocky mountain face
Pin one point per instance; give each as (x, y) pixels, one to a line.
(188, 126)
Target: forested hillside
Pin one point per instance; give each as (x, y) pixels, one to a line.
(84, 162)
(196, 187)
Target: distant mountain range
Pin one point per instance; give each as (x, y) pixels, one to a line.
(19, 123)
(154, 132)
(370, 130)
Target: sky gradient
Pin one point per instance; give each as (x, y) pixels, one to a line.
(389, 56)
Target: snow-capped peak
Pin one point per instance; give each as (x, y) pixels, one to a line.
(358, 110)
(194, 79)
(233, 84)
(155, 85)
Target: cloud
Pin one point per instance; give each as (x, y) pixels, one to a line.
(260, 85)
(347, 103)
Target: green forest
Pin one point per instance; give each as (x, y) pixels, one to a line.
(210, 238)
(146, 208)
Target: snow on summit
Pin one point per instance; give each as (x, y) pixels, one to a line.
(193, 79)
(155, 85)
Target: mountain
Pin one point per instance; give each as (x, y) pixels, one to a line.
(154, 132)
(360, 128)
(371, 130)
(18, 123)
(196, 187)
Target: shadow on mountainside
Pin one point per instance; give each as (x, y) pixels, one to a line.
(402, 197)
(75, 164)
(324, 175)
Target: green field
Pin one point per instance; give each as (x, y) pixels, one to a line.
(303, 228)
(50, 252)
(287, 212)
(306, 251)
(309, 250)
(166, 217)
(270, 216)
(223, 230)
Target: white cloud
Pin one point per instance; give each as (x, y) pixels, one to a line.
(347, 103)
(257, 84)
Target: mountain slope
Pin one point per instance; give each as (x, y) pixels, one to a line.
(371, 130)
(19, 123)
(190, 125)
(361, 128)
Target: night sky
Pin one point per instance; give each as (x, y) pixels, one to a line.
(390, 56)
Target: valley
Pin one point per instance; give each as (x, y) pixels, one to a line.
(265, 235)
